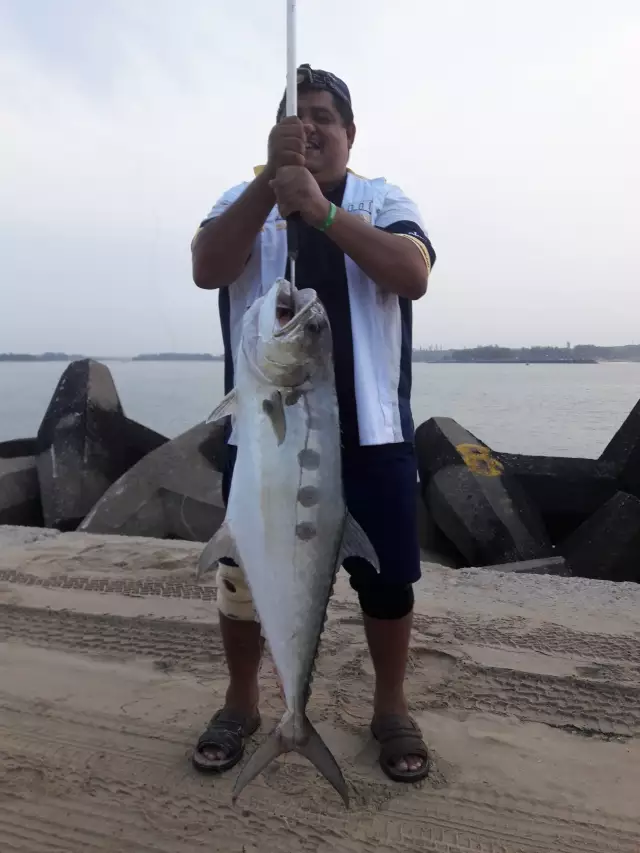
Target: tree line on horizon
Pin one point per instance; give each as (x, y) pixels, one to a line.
(581, 352)
(45, 356)
(432, 354)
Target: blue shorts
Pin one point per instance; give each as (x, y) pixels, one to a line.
(380, 487)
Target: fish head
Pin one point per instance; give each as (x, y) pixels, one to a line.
(293, 335)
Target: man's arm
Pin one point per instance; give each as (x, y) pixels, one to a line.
(392, 261)
(222, 246)
(395, 263)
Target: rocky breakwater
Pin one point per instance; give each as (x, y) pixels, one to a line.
(93, 469)
(542, 514)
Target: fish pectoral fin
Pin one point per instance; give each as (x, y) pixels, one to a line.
(273, 407)
(221, 544)
(355, 543)
(225, 407)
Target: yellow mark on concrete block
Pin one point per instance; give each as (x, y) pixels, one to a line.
(479, 460)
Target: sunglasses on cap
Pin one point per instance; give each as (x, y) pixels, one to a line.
(318, 79)
(324, 80)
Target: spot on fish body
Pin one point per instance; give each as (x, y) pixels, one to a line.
(305, 531)
(308, 496)
(309, 459)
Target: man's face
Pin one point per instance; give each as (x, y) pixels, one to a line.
(328, 140)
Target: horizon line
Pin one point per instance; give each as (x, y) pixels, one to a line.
(435, 348)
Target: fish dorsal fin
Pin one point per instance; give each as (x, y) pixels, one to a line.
(273, 407)
(225, 407)
(221, 544)
(355, 543)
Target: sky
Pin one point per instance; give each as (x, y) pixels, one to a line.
(515, 126)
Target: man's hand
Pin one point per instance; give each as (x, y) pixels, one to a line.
(287, 142)
(297, 191)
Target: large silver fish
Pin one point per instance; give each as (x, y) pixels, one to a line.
(287, 524)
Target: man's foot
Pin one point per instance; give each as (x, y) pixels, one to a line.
(221, 745)
(403, 756)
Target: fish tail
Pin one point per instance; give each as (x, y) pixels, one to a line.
(318, 753)
(287, 738)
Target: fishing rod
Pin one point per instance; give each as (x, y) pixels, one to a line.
(293, 221)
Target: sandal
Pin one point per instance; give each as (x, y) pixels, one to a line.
(399, 736)
(227, 731)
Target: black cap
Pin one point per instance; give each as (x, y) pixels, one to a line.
(315, 78)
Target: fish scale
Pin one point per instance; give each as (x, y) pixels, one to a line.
(287, 524)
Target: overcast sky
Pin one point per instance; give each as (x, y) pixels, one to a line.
(514, 124)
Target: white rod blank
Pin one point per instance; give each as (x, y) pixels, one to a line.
(292, 68)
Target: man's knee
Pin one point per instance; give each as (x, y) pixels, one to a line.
(234, 596)
(384, 600)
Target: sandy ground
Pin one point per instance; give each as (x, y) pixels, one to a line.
(527, 689)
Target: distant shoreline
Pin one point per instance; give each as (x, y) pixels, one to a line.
(582, 354)
(28, 357)
(526, 363)
(177, 356)
(19, 358)
(188, 357)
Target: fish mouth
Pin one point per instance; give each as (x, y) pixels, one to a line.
(288, 315)
(285, 302)
(284, 315)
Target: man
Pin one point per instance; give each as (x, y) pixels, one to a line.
(363, 249)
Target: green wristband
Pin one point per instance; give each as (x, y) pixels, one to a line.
(330, 218)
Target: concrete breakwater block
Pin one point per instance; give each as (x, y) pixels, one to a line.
(473, 499)
(175, 492)
(607, 545)
(17, 447)
(623, 452)
(434, 545)
(566, 491)
(85, 443)
(20, 492)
